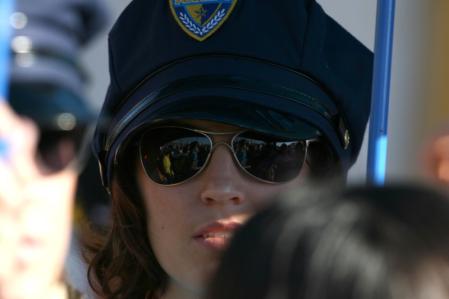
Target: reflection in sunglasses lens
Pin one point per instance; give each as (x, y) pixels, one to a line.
(172, 155)
(269, 158)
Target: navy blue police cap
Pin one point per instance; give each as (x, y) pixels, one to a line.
(282, 67)
(47, 79)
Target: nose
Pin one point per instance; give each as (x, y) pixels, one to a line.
(222, 180)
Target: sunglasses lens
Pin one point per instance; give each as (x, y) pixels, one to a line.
(270, 158)
(57, 149)
(173, 155)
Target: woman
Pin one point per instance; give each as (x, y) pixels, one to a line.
(366, 242)
(205, 75)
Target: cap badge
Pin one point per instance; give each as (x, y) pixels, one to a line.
(201, 18)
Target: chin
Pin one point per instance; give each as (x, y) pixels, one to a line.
(209, 272)
(198, 281)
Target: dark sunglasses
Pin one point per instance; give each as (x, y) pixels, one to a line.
(171, 155)
(58, 149)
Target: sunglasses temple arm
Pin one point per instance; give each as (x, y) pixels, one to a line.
(378, 137)
(6, 10)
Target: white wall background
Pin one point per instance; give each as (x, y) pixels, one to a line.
(419, 95)
(418, 89)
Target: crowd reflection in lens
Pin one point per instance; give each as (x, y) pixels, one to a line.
(275, 161)
(182, 157)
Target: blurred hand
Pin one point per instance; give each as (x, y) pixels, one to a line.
(436, 157)
(35, 214)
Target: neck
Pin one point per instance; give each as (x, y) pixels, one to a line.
(177, 291)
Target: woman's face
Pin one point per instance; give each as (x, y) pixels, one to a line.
(190, 224)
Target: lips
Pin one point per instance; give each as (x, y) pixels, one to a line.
(216, 235)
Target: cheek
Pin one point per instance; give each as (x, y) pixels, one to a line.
(172, 219)
(169, 212)
(164, 211)
(262, 194)
(166, 208)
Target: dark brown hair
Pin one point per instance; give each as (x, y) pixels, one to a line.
(121, 261)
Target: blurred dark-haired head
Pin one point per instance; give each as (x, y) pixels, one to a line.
(364, 243)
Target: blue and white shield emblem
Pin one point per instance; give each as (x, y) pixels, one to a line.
(201, 18)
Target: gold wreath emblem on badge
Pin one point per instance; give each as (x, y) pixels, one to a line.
(200, 19)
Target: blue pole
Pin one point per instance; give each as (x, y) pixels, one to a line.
(378, 137)
(6, 9)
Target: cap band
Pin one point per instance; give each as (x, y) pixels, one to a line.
(205, 83)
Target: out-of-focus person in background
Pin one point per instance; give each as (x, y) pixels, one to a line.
(48, 82)
(362, 243)
(45, 145)
(36, 202)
